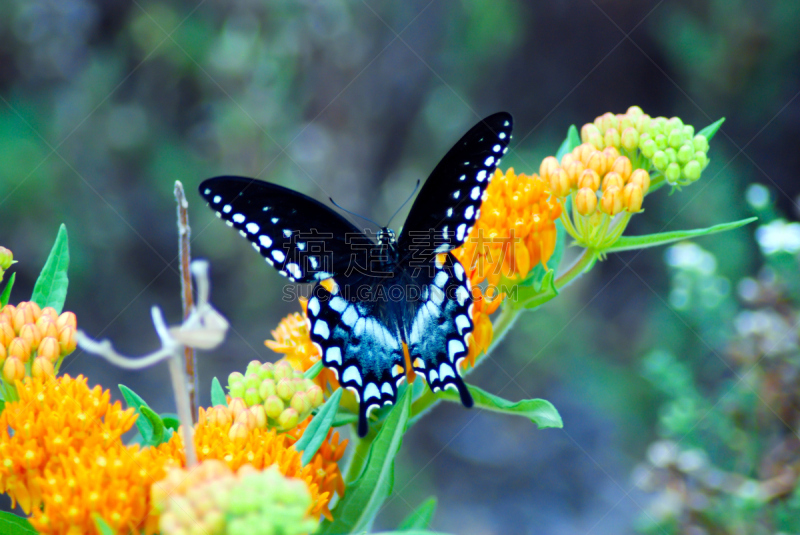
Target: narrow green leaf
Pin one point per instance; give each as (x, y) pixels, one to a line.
(364, 497)
(155, 421)
(217, 394)
(2, 405)
(171, 420)
(573, 140)
(317, 430)
(627, 243)
(344, 418)
(133, 400)
(420, 518)
(102, 526)
(314, 370)
(50, 289)
(11, 524)
(532, 297)
(539, 411)
(711, 129)
(7, 290)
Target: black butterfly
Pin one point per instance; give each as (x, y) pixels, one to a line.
(387, 294)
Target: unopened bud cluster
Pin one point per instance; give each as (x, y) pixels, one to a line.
(653, 143)
(213, 500)
(278, 393)
(603, 184)
(34, 341)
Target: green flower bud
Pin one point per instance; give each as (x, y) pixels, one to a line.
(301, 403)
(672, 154)
(660, 160)
(266, 388)
(630, 138)
(656, 126)
(700, 143)
(234, 378)
(251, 397)
(671, 124)
(281, 370)
(675, 139)
(691, 171)
(274, 406)
(688, 131)
(252, 367)
(265, 371)
(315, 396)
(626, 122)
(288, 418)
(643, 124)
(6, 258)
(661, 141)
(634, 111)
(588, 130)
(237, 390)
(648, 148)
(685, 153)
(285, 389)
(702, 159)
(596, 140)
(672, 173)
(251, 380)
(611, 138)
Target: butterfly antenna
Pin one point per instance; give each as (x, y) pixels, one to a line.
(404, 203)
(342, 208)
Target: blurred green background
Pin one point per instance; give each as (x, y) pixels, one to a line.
(104, 104)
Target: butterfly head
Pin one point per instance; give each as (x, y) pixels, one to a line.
(386, 236)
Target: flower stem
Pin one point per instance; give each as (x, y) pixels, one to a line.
(581, 264)
(184, 234)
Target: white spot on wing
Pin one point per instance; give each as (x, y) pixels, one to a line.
(462, 322)
(238, 218)
(462, 295)
(371, 391)
(227, 209)
(313, 305)
(265, 241)
(454, 347)
(294, 269)
(217, 198)
(470, 211)
(476, 192)
(481, 175)
(334, 354)
(278, 256)
(350, 316)
(338, 304)
(351, 374)
(321, 329)
(252, 228)
(460, 231)
(489, 161)
(441, 279)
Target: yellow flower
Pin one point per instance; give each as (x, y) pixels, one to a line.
(514, 233)
(63, 459)
(291, 339)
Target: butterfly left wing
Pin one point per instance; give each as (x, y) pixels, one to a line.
(449, 203)
(359, 340)
(439, 325)
(302, 238)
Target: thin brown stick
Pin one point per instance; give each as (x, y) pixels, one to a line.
(184, 233)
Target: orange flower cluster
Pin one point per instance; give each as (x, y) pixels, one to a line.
(33, 341)
(215, 439)
(515, 232)
(63, 459)
(291, 339)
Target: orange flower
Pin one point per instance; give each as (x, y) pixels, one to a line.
(291, 338)
(515, 232)
(261, 448)
(63, 458)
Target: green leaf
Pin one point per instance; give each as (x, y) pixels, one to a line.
(364, 497)
(11, 524)
(317, 430)
(7, 290)
(314, 370)
(628, 243)
(538, 411)
(711, 129)
(344, 418)
(411, 532)
(532, 297)
(573, 140)
(155, 421)
(134, 401)
(217, 394)
(102, 525)
(50, 289)
(171, 420)
(420, 518)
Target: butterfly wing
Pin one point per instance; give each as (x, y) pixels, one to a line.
(449, 203)
(301, 237)
(360, 340)
(439, 325)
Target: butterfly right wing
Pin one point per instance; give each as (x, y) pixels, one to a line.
(302, 238)
(359, 340)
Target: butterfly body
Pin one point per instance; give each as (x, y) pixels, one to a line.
(400, 299)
